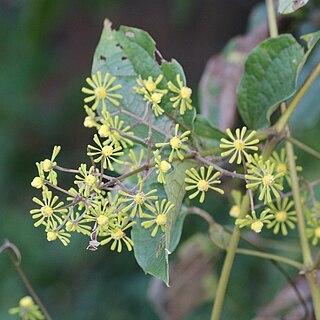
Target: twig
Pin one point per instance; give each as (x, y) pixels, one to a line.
(15, 257)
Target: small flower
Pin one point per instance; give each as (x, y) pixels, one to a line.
(264, 176)
(101, 90)
(238, 145)
(87, 181)
(183, 97)
(256, 224)
(117, 234)
(202, 182)
(27, 309)
(102, 213)
(236, 208)
(281, 164)
(313, 228)
(113, 130)
(105, 153)
(90, 119)
(76, 223)
(283, 216)
(152, 94)
(176, 143)
(53, 233)
(159, 217)
(149, 85)
(48, 165)
(138, 201)
(136, 160)
(50, 210)
(39, 181)
(162, 167)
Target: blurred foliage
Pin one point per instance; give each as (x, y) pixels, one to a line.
(46, 50)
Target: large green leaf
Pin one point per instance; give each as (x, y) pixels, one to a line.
(270, 77)
(127, 53)
(289, 6)
(152, 253)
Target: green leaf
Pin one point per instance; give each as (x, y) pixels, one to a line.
(175, 190)
(270, 77)
(289, 6)
(127, 53)
(203, 128)
(150, 252)
(306, 115)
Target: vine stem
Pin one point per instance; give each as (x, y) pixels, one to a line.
(228, 262)
(260, 254)
(286, 113)
(304, 147)
(270, 256)
(15, 257)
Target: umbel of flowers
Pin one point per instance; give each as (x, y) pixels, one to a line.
(111, 193)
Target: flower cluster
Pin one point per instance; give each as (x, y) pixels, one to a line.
(131, 158)
(154, 96)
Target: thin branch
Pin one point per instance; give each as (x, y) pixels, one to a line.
(304, 147)
(15, 257)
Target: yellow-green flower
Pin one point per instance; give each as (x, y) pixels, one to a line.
(105, 153)
(149, 85)
(236, 208)
(76, 223)
(101, 90)
(162, 166)
(87, 181)
(27, 309)
(117, 234)
(54, 233)
(282, 165)
(284, 217)
(135, 161)
(202, 182)
(102, 213)
(90, 119)
(48, 166)
(238, 144)
(256, 224)
(39, 181)
(266, 178)
(176, 143)
(152, 94)
(313, 229)
(114, 130)
(183, 97)
(158, 218)
(50, 210)
(138, 201)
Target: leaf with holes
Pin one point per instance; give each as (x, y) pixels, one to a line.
(128, 53)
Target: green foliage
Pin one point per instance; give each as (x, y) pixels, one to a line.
(270, 77)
